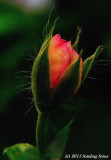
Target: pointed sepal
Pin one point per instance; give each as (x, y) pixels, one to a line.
(75, 45)
(90, 61)
(40, 80)
(56, 149)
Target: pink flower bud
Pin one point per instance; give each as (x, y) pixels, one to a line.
(61, 56)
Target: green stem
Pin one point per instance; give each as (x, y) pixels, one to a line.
(41, 134)
(45, 133)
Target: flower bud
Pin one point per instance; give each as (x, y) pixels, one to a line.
(57, 72)
(53, 73)
(61, 56)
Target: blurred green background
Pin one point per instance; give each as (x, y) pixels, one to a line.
(21, 35)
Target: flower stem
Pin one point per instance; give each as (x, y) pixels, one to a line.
(41, 134)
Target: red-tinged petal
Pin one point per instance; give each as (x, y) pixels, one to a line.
(56, 40)
(69, 45)
(59, 58)
(74, 54)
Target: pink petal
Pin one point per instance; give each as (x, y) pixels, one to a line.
(56, 40)
(74, 54)
(59, 58)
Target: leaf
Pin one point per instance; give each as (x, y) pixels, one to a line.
(67, 85)
(90, 61)
(22, 151)
(56, 148)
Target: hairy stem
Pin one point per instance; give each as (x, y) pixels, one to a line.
(41, 134)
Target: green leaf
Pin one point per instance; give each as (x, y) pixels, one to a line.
(22, 151)
(56, 148)
(90, 61)
(67, 85)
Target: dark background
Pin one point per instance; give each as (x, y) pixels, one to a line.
(21, 35)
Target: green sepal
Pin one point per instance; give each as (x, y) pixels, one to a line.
(40, 80)
(67, 85)
(90, 61)
(49, 35)
(75, 45)
(22, 151)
